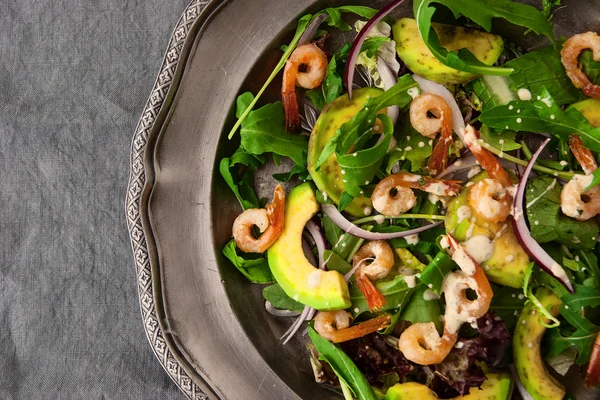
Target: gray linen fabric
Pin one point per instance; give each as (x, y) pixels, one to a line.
(74, 76)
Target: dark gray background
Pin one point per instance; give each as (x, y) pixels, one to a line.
(74, 77)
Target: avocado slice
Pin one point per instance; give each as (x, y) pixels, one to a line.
(495, 387)
(323, 290)
(526, 350)
(329, 177)
(509, 261)
(413, 51)
(590, 109)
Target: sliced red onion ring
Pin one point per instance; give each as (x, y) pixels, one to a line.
(279, 313)
(427, 86)
(389, 80)
(289, 334)
(319, 239)
(311, 30)
(523, 234)
(308, 252)
(360, 39)
(348, 227)
(516, 382)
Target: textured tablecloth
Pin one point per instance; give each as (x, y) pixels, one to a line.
(74, 76)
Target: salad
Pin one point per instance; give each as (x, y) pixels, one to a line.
(437, 236)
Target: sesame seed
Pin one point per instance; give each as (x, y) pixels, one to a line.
(524, 322)
(519, 120)
(510, 107)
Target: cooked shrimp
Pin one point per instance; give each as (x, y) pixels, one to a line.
(490, 200)
(583, 155)
(592, 377)
(394, 195)
(420, 108)
(570, 59)
(459, 308)
(421, 343)
(383, 261)
(335, 325)
(269, 222)
(486, 159)
(576, 202)
(315, 61)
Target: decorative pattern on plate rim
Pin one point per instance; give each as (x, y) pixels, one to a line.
(137, 181)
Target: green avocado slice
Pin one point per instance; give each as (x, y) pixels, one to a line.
(323, 290)
(413, 51)
(590, 109)
(509, 261)
(495, 387)
(329, 176)
(526, 349)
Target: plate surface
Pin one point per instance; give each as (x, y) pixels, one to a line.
(206, 323)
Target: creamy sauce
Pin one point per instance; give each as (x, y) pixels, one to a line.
(429, 295)
(378, 218)
(546, 101)
(524, 94)
(510, 258)
(411, 177)
(368, 210)
(412, 239)
(464, 212)
(438, 188)
(480, 248)
(411, 281)
(471, 229)
(314, 279)
(453, 287)
(473, 171)
(470, 139)
(570, 199)
(413, 92)
(549, 188)
(462, 259)
(558, 271)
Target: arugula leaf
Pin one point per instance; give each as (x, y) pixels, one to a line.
(241, 188)
(341, 242)
(256, 270)
(541, 116)
(361, 124)
(343, 366)
(334, 15)
(316, 97)
(547, 221)
(276, 296)
(595, 179)
(395, 290)
(507, 303)
(420, 310)
(590, 67)
(336, 263)
(300, 28)
(437, 270)
(372, 44)
(297, 169)
(263, 131)
(360, 167)
(583, 337)
(543, 69)
(481, 12)
(583, 297)
(345, 200)
(505, 140)
(414, 147)
(332, 87)
(548, 6)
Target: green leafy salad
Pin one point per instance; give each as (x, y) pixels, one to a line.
(437, 229)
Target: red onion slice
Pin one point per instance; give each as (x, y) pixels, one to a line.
(348, 227)
(319, 239)
(523, 233)
(311, 30)
(308, 252)
(389, 80)
(279, 313)
(360, 39)
(427, 86)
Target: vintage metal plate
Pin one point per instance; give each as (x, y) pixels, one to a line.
(205, 322)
